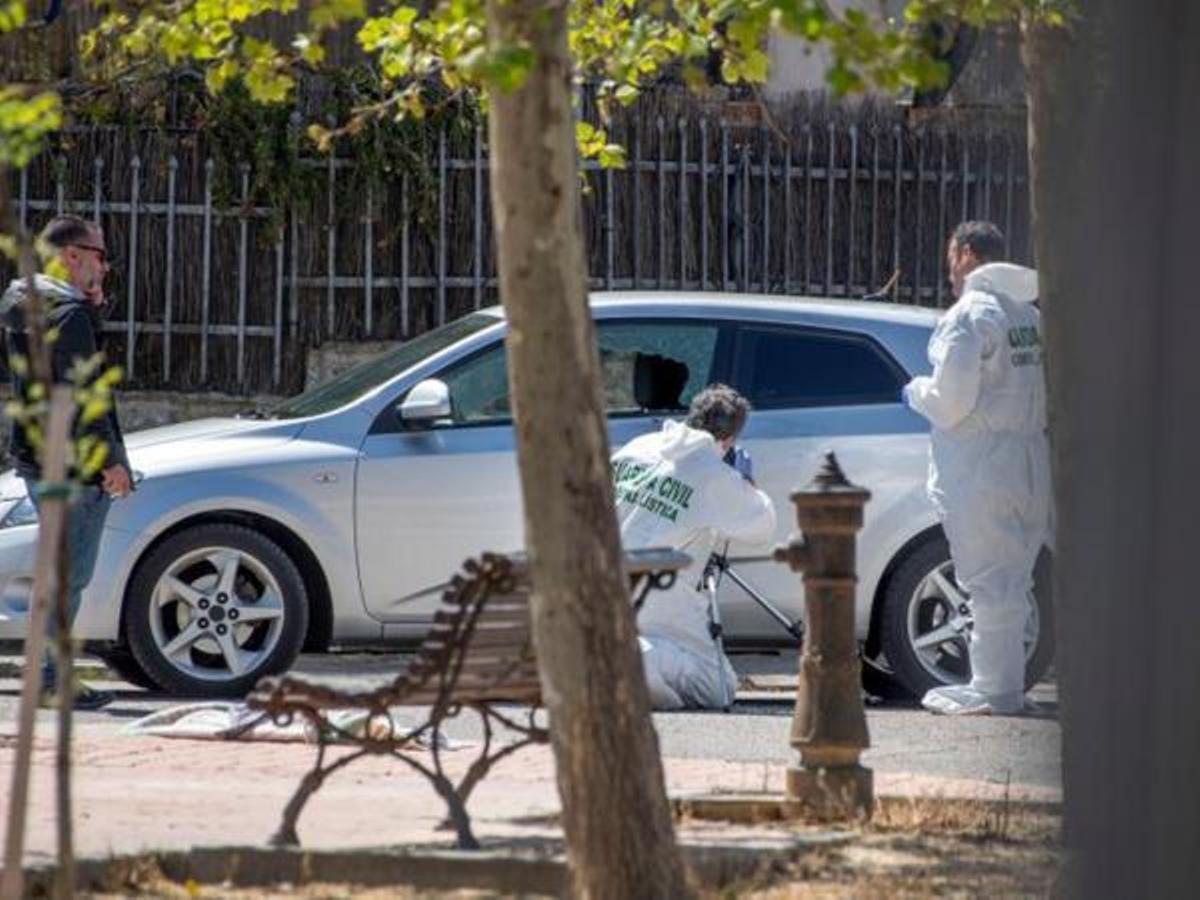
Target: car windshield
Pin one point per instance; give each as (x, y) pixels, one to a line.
(366, 376)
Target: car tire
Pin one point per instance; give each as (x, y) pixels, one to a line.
(212, 609)
(913, 607)
(121, 661)
(880, 682)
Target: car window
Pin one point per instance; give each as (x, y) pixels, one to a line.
(790, 367)
(692, 344)
(479, 385)
(366, 376)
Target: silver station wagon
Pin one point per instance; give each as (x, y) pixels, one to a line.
(334, 517)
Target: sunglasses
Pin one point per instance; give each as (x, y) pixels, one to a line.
(101, 253)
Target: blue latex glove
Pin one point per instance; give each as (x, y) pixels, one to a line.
(740, 460)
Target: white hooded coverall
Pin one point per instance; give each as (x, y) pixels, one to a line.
(673, 490)
(989, 473)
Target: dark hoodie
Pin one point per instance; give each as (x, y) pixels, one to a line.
(78, 324)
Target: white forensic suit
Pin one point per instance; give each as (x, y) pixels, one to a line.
(674, 490)
(989, 472)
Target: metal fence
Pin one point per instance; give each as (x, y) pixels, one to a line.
(213, 289)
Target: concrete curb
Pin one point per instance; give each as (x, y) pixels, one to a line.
(773, 808)
(527, 871)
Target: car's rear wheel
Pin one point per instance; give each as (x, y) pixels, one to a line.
(926, 620)
(214, 608)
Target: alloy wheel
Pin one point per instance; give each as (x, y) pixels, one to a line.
(939, 626)
(216, 613)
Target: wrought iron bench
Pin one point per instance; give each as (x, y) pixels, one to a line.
(478, 655)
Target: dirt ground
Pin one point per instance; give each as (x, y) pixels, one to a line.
(905, 865)
(910, 850)
(925, 849)
(303, 892)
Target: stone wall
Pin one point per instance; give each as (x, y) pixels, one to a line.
(334, 357)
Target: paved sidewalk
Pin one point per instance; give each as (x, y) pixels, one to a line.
(137, 793)
(141, 793)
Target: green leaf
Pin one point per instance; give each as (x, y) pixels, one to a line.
(626, 94)
(265, 78)
(730, 73)
(320, 136)
(25, 121)
(219, 75)
(755, 67)
(589, 139)
(843, 81)
(328, 13)
(12, 15)
(93, 453)
(95, 408)
(310, 50)
(612, 156)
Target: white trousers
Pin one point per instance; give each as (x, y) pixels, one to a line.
(993, 494)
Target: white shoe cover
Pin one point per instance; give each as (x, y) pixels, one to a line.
(963, 700)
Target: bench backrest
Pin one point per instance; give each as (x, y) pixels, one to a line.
(479, 650)
(480, 647)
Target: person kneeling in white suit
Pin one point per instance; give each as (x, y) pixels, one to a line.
(674, 489)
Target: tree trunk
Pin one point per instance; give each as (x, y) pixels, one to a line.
(64, 881)
(48, 584)
(616, 817)
(1115, 136)
(51, 526)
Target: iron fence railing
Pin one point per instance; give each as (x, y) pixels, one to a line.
(226, 292)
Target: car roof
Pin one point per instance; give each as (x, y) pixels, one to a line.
(767, 307)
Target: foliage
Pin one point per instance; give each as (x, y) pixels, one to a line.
(619, 45)
(433, 58)
(92, 394)
(26, 115)
(271, 140)
(891, 54)
(26, 118)
(13, 15)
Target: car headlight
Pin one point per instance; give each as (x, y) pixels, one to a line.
(23, 512)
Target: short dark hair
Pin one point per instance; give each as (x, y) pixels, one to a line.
(985, 239)
(719, 410)
(62, 231)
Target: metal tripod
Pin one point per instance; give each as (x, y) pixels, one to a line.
(718, 564)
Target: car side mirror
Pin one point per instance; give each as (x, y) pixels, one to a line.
(428, 400)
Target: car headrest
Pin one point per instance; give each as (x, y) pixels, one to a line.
(658, 381)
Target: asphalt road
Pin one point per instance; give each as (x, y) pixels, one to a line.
(1021, 751)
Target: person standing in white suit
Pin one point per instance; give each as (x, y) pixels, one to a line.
(989, 472)
(674, 489)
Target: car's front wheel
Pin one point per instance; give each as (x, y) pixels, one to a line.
(214, 608)
(925, 623)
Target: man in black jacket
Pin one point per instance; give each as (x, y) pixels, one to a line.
(73, 311)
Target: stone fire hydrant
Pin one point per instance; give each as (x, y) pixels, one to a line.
(829, 727)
